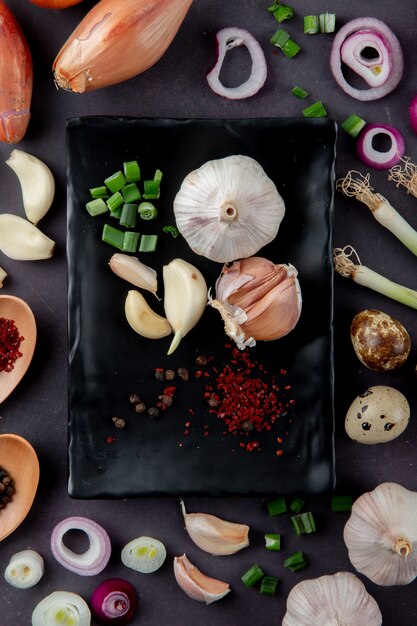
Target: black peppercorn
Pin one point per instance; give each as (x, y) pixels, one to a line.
(118, 422)
(165, 399)
(169, 375)
(201, 360)
(140, 407)
(182, 373)
(213, 401)
(247, 426)
(134, 398)
(159, 373)
(153, 411)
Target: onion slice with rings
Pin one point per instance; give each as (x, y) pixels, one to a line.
(229, 38)
(380, 160)
(382, 69)
(89, 563)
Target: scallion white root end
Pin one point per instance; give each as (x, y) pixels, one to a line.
(405, 175)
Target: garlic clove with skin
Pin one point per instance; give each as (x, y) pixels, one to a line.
(214, 535)
(134, 271)
(197, 585)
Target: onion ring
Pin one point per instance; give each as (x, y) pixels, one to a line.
(229, 38)
(91, 562)
(383, 73)
(412, 109)
(375, 158)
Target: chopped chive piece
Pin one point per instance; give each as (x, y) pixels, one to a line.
(280, 38)
(297, 505)
(96, 207)
(327, 22)
(341, 503)
(315, 110)
(99, 192)
(128, 216)
(299, 92)
(353, 125)
(273, 541)
(147, 211)
(148, 243)
(130, 241)
(281, 12)
(290, 48)
(172, 230)
(311, 24)
(117, 213)
(113, 236)
(115, 182)
(295, 562)
(132, 171)
(151, 189)
(158, 175)
(252, 576)
(131, 193)
(115, 201)
(268, 585)
(303, 523)
(277, 506)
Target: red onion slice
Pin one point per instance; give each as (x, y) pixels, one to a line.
(382, 73)
(375, 158)
(91, 562)
(229, 38)
(114, 602)
(412, 109)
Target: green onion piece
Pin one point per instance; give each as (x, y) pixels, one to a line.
(132, 171)
(277, 506)
(151, 189)
(115, 182)
(303, 523)
(113, 236)
(315, 110)
(295, 562)
(273, 541)
(290, 48)
(296, 505)
(96, 207)
(99, 192)
(280, 38)
(341, 503)
(117, 212)
(327, 22)
(282, 12)
(172, 230)
(299, 92)
(148, 243)
(158, 175)
(147, 211)
(115, 201)
(130, 241)
(268, 585)
(311, 24)
(353, 125)
(131, 193)
(252, 576)
(128, 216)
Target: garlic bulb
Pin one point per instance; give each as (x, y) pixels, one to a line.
(23, 241)
(214, 535)
(131, 269)
(337, 599)
(196, 584)
(228, 209)
(381, 535)
(258, 300)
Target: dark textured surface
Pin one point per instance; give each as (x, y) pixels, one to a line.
(37, 410)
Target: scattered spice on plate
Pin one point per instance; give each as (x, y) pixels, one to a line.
(10, 340)
(6, 487)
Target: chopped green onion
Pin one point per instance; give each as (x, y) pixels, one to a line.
(315, 110)
(299, 92)
(280, 38)
(295, 562)
(96, 207)
(341, 503)
(148, 243)
(147, 211)
(151, 189)
(273, 541)
(158, 175)
(115, 201)
(290, 48)
(277, 506)
(296, 505)
(131, 193)
(172, 230)
(117, 212)
(115, 182)
(130, 241)
(353, 125)
(303, 523)
(268, 585)
(281, 12)
(99, 192)
(252, 576)
(128, 216)
(132, 171)
(113, 236)
(311, 24)
(327, 22)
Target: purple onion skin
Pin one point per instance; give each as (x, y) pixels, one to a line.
(413, 113)
(368, 161)
(112, 585)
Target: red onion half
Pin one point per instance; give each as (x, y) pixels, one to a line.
(375, 158)
(382, 70)
(91, 562)
(114, 602)
(229, 38)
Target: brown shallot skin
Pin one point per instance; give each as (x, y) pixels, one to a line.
(16, 78)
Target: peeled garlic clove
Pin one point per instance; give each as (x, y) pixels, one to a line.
(131, 269)
(197, 585)
(214, 535)
(143, 319)
(3, 276)
(185, 298)
(23, 241)
(228, 209)
(36, 181)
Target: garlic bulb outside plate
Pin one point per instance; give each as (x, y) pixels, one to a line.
(336, 599)
(381, 535)
(228, 209)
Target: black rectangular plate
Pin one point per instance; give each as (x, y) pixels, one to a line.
(108, 361)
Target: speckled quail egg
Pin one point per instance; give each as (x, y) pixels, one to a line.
(380, 341)
(377, 415)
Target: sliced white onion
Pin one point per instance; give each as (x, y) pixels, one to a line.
(61, 607)
(144, 554)
(229, 38)
(375, 158)
(382, 73)
(25, 569)
(91, 562)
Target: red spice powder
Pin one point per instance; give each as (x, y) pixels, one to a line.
(10, 340)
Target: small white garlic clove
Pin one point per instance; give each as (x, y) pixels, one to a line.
(131, 269)
(214, 535)
(197, 585)
(36, 181)
(144, 320)
(23, 241)
(3, 276)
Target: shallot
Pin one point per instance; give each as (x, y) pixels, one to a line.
(114, 602)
